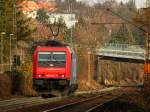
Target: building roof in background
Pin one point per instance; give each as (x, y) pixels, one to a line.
(47, 6)
(29, 6)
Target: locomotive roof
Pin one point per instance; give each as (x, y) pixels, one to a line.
(55, 44)
(50, 43)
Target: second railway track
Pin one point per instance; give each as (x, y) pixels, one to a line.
(86, 105)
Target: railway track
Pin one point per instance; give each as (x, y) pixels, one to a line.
(21, 103)
(13, 104)
(101, 105)
(86, 105)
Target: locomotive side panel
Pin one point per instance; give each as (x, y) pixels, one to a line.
(74, 76)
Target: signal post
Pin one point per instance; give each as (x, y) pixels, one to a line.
(147, 64)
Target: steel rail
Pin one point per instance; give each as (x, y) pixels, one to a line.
(25, 103)
(19, 103)
(95, 108)
(74, 103)
(16, 100)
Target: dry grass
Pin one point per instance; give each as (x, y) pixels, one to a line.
(86, 82)
(5, 86)
(120, 73)
(26, 79)
(85, 85)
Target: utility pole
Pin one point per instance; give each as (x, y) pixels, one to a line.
(89, 66)
(14, 24)
(10, 51)
(147, 55)
(14, 18)
(147, 62)
(147, 3)
(71, 30)
(14, 31)
(2, 48)
(71, 27)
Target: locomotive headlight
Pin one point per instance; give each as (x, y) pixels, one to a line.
(62, 75)
(39, 75)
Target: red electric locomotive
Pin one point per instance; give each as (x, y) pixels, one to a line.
(54, 69)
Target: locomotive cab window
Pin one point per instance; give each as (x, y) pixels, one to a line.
(51, 59)
(44, 56)
(59, 56)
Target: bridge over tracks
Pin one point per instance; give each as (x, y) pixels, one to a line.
(122, 52)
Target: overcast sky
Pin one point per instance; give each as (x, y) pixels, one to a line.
(139, 3)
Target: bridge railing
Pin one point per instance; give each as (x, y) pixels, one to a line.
(121, 54)
(122, 50)
(127, 47)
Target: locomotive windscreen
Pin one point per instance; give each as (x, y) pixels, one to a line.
(51, 59)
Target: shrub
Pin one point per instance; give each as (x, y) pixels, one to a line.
(26, 79)
(5, 86)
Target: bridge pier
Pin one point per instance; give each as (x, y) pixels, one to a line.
(98, 71)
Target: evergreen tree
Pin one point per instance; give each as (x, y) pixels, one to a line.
(131, 5)
(121, 36)
(139, 36)
(12, 21)
(42, 16)
(2, 15)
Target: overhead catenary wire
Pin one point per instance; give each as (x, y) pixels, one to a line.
(128, 21)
